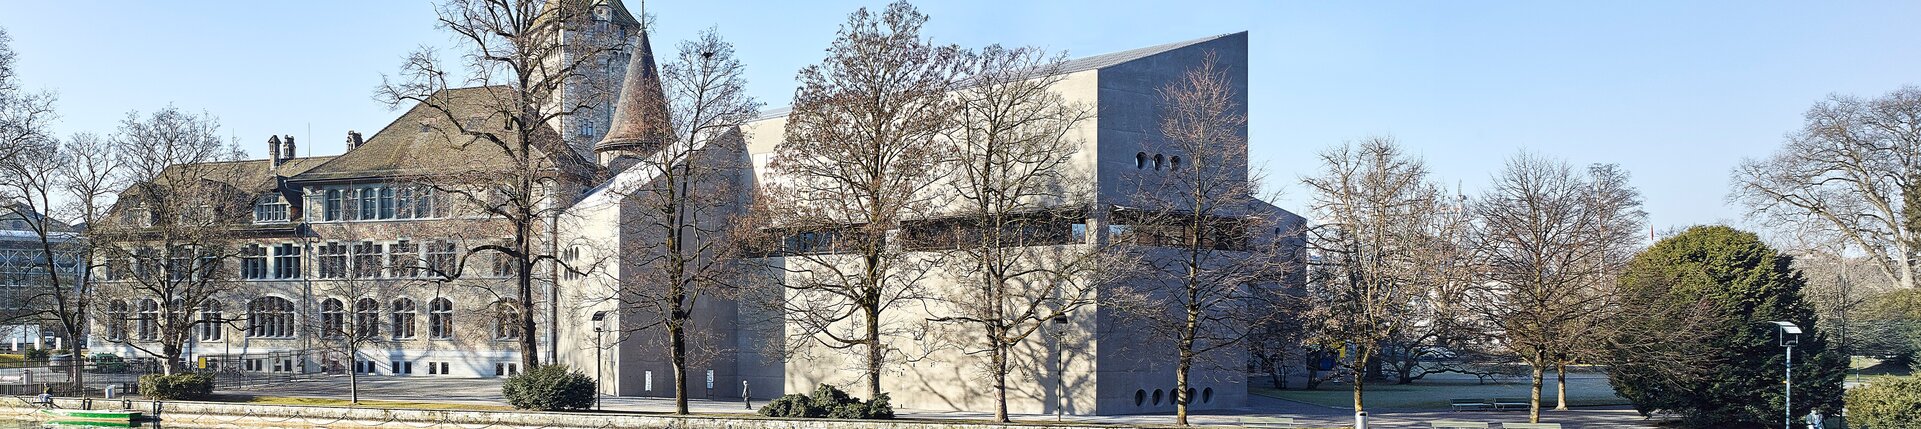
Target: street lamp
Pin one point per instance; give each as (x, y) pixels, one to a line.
(1790, 336)
(1060, 366)
(599, 316)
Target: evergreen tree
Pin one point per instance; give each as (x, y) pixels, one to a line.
(1724, 285)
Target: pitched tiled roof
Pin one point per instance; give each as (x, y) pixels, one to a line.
(640, 119)
(254, 175)
(422, 142)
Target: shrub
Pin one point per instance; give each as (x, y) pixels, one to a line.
(549, 388)
(109, 364)
(176, 386)
(828, 402)
(1886, 403)
(37, 354)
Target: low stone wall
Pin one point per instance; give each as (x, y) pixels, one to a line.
(236, 415)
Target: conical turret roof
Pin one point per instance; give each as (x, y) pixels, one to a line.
(640, 118)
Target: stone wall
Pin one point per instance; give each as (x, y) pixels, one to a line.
(223, 415)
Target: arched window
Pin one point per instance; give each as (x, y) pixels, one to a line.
(333, 318)
(117, 320)
(1207, 395)
(1140, 160)
(440, 318)
(149, 320)
(403, 319)
(270, 317)
(1157, 396)
(1157, 162)
(1174, 163)
(1140, 397)
(506, 319)
(212, 323)
(366, 318)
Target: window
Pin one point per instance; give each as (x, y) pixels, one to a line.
(437, 368)
(118, 269)
(403, 202)
(427, 204)
(333, 261)
(504, 265)
(402, 319)
(212, 324)
(506, 369)
(269, 208)
(270, 317)
(571, 271)
(369, 203)
(440, 259)
(368, 260)
(506, 319)
(333, 318)
(286, 261)
(1157, 396)
(366, 318)
(334, 206)
(403, 259)
(117, 320)
(586, 128)
(440, 318)
(253, 262)
(1174, 163)
(386, 202)
(365, 366)
(1140, 160)
(148, 322)
(402, 367)
(1157, 167)
(179, 263)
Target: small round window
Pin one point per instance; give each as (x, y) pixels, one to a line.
(1157, 161)
(1207, 395)
(1140, 397)
(1140, 160)
(1157, 396)
(1174, 163)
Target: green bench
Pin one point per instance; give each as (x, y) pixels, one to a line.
(1267, 422)
(1504, 404)
(1456, 424)
(1531, 425)
(1466, 404)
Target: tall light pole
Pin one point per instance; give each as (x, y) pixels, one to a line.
(1790, 336)
(1060, 366)
(599, 316)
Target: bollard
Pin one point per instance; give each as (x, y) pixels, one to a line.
(1360, 420)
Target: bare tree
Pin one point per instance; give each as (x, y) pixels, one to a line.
(1844, 174)
(24, 116)
(1198, 229)
(1013, 203)
(861, 156)
(1391, 258)
(520, 57)
(169, 239)
(691, 197)
(1552, 239)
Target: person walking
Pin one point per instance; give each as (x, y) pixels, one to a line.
(746, 395)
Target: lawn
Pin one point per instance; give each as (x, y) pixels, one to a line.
(1434, 393)
(330, 402)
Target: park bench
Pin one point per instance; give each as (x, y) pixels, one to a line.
(1465, 404)
(1456, 424)
(1531, 425)
(1504, 404)
(1267, 422)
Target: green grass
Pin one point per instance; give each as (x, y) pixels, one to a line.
(332, 402)
(1433, 394)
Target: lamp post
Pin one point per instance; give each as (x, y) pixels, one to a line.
(599, 316)
(1790, 336)
(1060, 367)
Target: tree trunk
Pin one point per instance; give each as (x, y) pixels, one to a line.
(1534, 395)
(1560, 386)
(1000, 380)
(529, 342)
(78, 366)
(678, 338)
(874, 351)
(1181, 372)
(353, 377)
(1360, 379)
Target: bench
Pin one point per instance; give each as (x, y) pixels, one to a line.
(1531, 425)
(1465, 404)
(1504, 404)
(1456, 424)
(1267, 422)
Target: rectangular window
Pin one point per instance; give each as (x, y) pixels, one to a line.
(403, 367)
(369, 203)
(253, 262)
(368, 260)
(649, 381)
(404, 259)
(505, 265)
(286, 261)
(386, 202)
(427, 204)
(269, 209)
(334, 206)
(333, 261)
(403, 202)
(441, 259)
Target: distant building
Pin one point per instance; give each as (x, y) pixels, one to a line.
(23, 274)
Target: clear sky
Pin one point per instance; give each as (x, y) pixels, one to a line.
(1677, 92)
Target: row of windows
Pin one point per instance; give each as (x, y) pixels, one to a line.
(275, 317)
(380, 202)
(1142, 161)
(334, 260)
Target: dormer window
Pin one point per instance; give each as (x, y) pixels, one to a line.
(269, 209)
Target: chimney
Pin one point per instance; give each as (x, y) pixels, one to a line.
(288, 153)
(273, 150)
(353, 139)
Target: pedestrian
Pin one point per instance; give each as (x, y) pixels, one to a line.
(746, 395)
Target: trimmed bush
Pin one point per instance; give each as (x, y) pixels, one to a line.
(37, 354)
(1885, 403)
(109, 364)
(549, 388)
(176, 386)
(828, 402)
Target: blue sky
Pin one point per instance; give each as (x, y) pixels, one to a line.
(1677, 93)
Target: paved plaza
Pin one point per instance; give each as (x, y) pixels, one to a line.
(487, 392)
